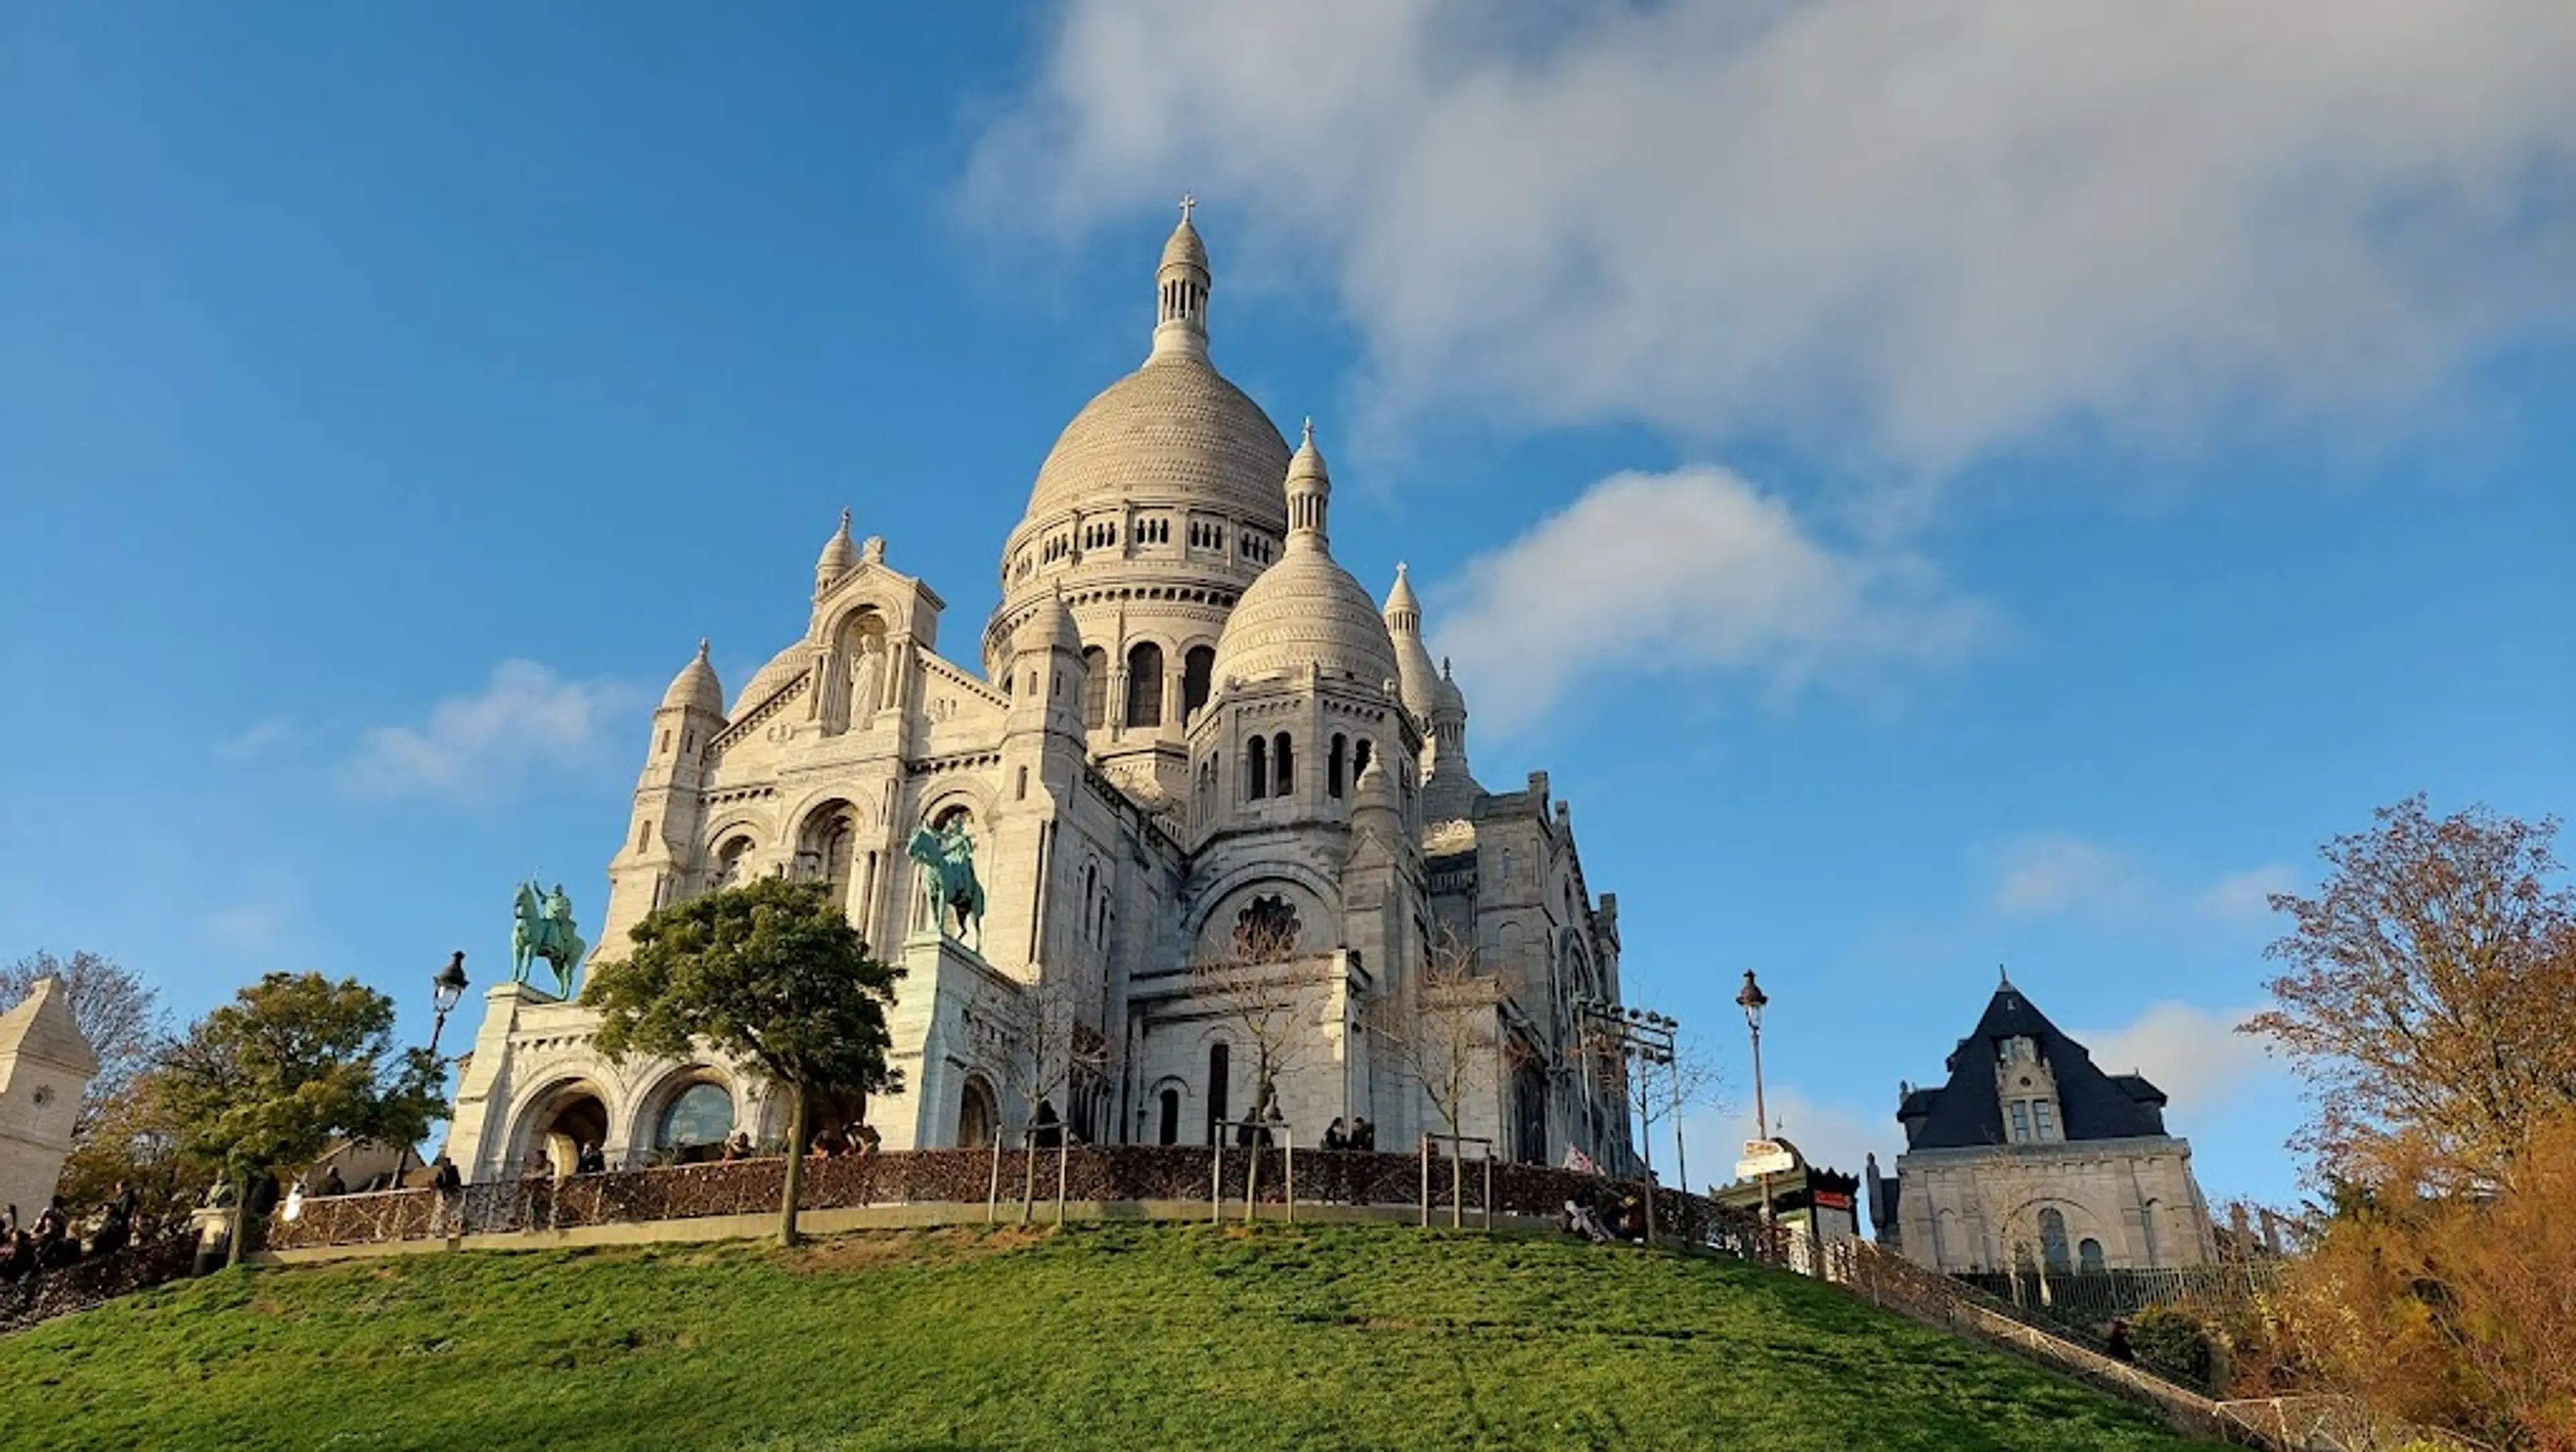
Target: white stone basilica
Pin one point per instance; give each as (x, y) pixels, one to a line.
(1194, 739)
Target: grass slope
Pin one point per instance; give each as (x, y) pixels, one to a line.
(1116, 1336)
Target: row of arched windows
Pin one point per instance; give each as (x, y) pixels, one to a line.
(1270, 765)
(1145, 684)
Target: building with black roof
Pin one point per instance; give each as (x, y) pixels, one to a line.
(2030, 1154)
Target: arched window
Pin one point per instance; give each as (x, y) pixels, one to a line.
(1283, 766)
(1095, 689)
(1020, 786)
(1218, 1056)
(2088, 1255)
(1145, 685)
(1256, 769)
(2052, 1241)
(824, 849)
(1196, 668)
(699, 1115)
(1359, 758)
(729, 861)
(977, 1120)
(1333, 764)
(643, 834)
(2147, 1231)
(1168, 1131)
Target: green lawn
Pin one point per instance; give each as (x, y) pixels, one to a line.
(1117, 1336)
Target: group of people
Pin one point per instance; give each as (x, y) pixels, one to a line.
(46, 1242)
(829, 1143)
(1360, 1135)
(1625, 1220)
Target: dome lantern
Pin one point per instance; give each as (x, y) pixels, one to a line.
(1181, 287)
(1310, 488)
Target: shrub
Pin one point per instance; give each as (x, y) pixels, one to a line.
(2171, 1344)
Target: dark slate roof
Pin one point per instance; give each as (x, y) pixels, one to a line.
(1965, 1112)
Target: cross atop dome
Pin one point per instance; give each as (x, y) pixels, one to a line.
(1188, 204)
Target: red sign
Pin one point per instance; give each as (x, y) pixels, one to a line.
(1832, 1200)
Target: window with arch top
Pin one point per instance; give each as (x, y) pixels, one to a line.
(1256, 769)
(1095, 688)
(1145, 684)
(1283, 765)
(1333, 764)
(1196, 668)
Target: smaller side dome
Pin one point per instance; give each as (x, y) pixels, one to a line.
(695, 688)
(1050, 627)
(1449, 699)
(1306, 612)
(772, 678)
(839, 555)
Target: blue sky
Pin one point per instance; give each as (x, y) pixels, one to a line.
(1924, 507)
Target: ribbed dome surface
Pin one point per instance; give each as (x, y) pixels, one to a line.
(1172, 427)
(783, 667)
(1306, 609)
(696, 686)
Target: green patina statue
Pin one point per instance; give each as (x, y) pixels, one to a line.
(947, 858)
(545, 930)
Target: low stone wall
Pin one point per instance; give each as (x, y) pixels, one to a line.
(1091, 1175)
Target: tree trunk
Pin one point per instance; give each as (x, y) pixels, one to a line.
(795, 1164)
(1029, 1174)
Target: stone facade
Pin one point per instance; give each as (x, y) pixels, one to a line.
(1192, 740)
(45, 1065)
(2030, 1155)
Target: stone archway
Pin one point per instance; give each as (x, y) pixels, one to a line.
(979, 1118)
(560, 1122)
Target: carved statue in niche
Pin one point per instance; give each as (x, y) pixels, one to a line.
(867, 678)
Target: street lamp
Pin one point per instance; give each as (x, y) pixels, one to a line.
(1647, 1039)
(445, 989)
(1751, 998)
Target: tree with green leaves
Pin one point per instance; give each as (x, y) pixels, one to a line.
(294, 1062)
(770, 975)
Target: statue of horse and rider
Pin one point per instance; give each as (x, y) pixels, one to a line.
(545, 930)
(947, 858)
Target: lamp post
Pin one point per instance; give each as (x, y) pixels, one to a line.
(1644, 1039)
(1751, 998)
(445, 989)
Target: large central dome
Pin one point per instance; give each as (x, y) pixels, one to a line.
(1172, 431)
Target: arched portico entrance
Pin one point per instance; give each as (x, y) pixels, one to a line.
(559, 1122)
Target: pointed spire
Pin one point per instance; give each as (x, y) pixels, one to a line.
(1182, 283)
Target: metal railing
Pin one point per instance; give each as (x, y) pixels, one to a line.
(1128, 1174)
(1457, 1187)
(1258, 1132)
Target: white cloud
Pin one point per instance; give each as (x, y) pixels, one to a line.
(2194, 1054)
(2246, 897)
(1694, 569)
(481, 745)
(256, 740)
(1830, 1134)
(2044, 874)
(2053, 872)
(1916, 228)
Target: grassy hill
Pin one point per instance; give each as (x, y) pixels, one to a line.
(1115, 1336)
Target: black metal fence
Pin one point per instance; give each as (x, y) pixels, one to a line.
(60, 1290)
(2086, 1301)
(1112, 1173)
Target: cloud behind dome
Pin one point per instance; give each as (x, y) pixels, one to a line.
(1919, 230)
